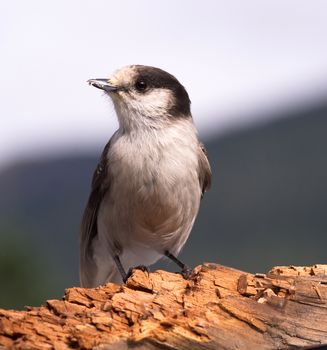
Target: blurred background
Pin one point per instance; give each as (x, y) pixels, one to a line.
(256, 73)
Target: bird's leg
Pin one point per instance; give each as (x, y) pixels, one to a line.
(125, 276)
(186, 271)
(120, 268)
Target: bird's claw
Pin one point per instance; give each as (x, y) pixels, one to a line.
(131, 269)
(186, 272)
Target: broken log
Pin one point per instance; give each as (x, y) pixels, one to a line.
(217, 308)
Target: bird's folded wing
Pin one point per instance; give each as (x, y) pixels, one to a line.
(204, 169)
(88, 231)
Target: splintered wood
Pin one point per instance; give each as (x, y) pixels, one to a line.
(218, 308)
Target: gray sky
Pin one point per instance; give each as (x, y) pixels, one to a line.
(234, 58)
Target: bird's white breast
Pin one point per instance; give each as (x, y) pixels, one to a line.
(152, 161)
(154, 190)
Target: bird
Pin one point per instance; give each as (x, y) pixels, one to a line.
(149, 182)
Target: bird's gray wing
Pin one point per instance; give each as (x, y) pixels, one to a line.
(204, 169)
(100, 185)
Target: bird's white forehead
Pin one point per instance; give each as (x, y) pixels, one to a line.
(123, 76)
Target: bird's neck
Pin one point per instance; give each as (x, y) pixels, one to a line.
(135, 117)
(182, 132)
(131, 121)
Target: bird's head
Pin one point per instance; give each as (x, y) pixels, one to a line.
(145, 96)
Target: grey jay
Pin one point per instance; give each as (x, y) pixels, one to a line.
(147, 187)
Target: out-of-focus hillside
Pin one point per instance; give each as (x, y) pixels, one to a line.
(267, 206)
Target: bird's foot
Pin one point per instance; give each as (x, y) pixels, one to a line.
(186, 272)
(131, 269)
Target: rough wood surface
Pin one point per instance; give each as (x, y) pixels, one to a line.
(218, 308)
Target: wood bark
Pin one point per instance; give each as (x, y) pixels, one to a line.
(217, 308)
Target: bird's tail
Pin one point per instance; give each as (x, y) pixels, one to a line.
(92, 276)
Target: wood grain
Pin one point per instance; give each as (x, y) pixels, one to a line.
(218, 308)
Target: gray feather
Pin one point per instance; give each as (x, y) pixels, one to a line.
(100, 185)
(205, 174)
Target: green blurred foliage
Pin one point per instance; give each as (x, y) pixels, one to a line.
(23, 272)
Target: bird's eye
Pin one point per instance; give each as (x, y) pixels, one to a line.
(140, 85)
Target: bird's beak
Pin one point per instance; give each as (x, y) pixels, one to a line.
(102, 84)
